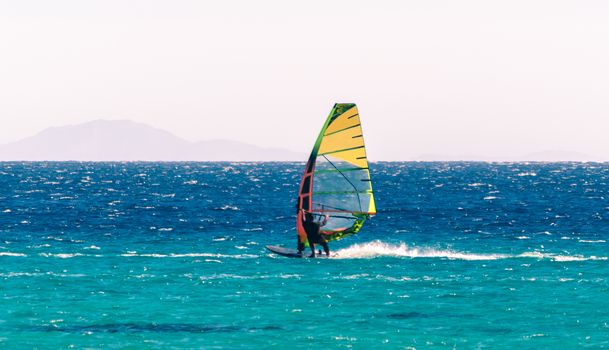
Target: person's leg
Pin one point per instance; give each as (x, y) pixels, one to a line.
(324, 244)
(312, 245)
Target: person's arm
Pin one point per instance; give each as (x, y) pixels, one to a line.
(323, 223)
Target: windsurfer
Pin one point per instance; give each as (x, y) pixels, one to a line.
(314, 236)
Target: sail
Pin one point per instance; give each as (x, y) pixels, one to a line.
(336, 180)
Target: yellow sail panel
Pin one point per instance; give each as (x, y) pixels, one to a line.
(346, 139)
(346, 120)
(356, 156)
(372, 206)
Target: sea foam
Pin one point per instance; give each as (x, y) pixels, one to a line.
(380, 249)
(377, 249)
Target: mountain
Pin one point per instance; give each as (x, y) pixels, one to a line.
(123, 140)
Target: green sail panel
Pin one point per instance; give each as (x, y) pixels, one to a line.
(336, 181)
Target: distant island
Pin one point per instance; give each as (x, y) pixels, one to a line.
(124, 140)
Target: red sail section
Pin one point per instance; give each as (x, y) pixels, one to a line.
(305, 198)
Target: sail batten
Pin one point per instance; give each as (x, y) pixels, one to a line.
(345, 129)
(336, 182)
(339, 170)
(341, 150)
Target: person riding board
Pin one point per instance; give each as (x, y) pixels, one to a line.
(313, 232)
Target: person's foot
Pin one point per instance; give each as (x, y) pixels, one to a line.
(312, 256)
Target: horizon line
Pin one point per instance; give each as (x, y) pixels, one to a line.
(304, 161)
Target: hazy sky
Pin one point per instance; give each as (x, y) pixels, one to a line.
(490, 78)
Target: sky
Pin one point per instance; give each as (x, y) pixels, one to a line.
(484, 78)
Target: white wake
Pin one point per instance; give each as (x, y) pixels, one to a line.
(377, 249)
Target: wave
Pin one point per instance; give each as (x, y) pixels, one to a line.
(37, 274)
(11, 254)
(126, 328)
(60, 255)
(227, 207)
(225, 276)
(558, 257)
(189, 255)
(369, 250)
(135, 254)
(377, 249)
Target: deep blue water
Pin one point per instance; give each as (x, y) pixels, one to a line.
(171, 255)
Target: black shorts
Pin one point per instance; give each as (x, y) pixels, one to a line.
(316, 238)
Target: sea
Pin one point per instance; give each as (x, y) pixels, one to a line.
(144, 255)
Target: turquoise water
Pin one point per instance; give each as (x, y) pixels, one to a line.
(146, 255)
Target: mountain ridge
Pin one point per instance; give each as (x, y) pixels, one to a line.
(126, 140)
